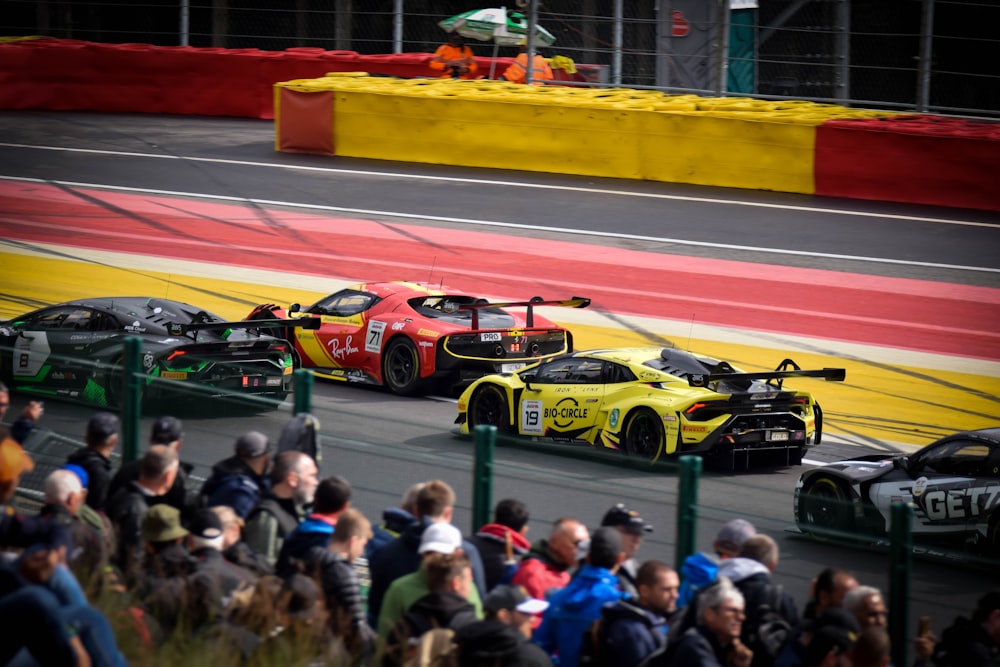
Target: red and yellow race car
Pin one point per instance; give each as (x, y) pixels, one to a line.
(412, 337)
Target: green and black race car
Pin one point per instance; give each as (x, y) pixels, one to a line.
(76, 350)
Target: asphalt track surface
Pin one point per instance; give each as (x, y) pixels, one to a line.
(203, 210)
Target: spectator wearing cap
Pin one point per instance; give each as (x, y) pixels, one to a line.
(163, 588)
(502, 544)
(504, 634)
(294, 478)
(333, 498)
(127, 509)
(438, 539)
(234, 548)
(574, 608)
(101, 438)
(446, 605)
(972, 642)
(167, 431)
(205, 543)
(632, 629)
(89, 552)
(240, 481)
(700, 569)
(546, 567)
(435, 504)
(830, 646)
(632, 528)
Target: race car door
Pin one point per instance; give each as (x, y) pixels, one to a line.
(341, 341)
(563, 398)
(52, 347)
(952, 486)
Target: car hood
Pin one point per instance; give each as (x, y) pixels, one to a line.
(859, 469)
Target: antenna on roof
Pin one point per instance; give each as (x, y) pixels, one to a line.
(430, 274)
(690, 329)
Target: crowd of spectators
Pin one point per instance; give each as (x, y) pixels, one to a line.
(261, 564)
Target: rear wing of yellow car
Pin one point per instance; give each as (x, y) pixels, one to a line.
(786, 369)
(575, 302)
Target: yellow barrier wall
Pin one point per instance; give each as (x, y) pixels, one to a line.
(620, 133)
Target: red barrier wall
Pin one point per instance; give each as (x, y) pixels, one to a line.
(88, 76)
(919, 159)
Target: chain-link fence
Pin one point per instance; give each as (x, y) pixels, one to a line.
(923, 55)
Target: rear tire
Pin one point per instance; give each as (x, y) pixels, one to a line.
(489, 407)
(644, 435)
(825, 507)
(401, 367)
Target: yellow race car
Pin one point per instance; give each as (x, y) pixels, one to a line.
(651, 403)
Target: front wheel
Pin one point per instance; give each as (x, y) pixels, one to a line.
(401, 367)
(644, 436)
(489, 407)
(825, 507)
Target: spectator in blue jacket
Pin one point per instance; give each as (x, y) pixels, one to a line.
(241, 480)
(333, 498)
(700, 569)
(574, 608)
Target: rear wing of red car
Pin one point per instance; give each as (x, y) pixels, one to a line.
(786, 369)
(574, 302)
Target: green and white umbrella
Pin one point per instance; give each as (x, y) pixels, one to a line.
(496, 23)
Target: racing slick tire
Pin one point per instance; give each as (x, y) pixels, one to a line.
(644, 437)
(825, 508)
(489, 406)
(401, 367)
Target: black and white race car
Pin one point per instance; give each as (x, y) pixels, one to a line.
(953, 483)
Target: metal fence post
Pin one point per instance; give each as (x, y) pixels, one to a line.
(131, 399)
(901, 555)
(687, 508)
(482, 476)
(303, 391)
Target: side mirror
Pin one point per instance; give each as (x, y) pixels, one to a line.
(294, 308)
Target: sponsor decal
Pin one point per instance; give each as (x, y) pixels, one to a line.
(694, 429)
(339, 350)
(148, 360)
(63, 375)
(613, 418)
(425, 343)
(515, 332)
(428, 333)
(398, 326)
(490, 337)
(919, 486)
(135, 327)
(174, 375)
(566, 412)
(940, 504)
(669, 418)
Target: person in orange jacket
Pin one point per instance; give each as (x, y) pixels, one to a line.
(454, 59)
(517, 71)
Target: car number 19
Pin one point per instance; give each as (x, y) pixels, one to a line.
(531, 418)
